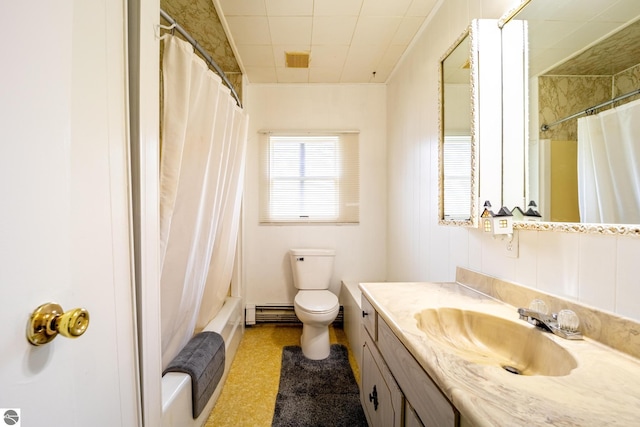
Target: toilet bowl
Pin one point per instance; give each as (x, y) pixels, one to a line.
(315, 306)
(316, 310)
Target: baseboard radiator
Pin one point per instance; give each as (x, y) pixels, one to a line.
(284, 314)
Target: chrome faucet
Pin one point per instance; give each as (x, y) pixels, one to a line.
(550, 323)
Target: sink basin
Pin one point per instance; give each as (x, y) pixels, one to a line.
(481, 338)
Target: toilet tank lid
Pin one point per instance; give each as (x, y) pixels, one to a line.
(309, 252)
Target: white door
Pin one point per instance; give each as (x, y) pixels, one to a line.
(64, 213)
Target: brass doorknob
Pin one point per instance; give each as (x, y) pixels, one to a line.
(49, 319)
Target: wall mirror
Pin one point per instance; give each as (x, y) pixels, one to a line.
(581, 56)
(457, 133)
(468, 139)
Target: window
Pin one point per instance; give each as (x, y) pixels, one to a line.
(457, 177)
(310, 178)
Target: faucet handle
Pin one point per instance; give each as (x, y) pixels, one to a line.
(539, 306)
(568, 320)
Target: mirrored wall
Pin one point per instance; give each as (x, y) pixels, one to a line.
(581, 165)
(457, 132)
(467, 138)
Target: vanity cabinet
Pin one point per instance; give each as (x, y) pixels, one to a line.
(369, 319)
(381, 397)
(405, 394)
(411, 419)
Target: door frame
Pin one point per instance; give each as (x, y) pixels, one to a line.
(144, 101)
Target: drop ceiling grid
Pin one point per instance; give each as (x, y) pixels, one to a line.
(554, 43)
(348, 39)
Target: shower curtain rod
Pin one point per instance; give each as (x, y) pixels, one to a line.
(203, 52)
(590, 110)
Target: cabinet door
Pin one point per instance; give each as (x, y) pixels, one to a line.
(369, 318)
(410, 417)
(381, 397)
(428, 401)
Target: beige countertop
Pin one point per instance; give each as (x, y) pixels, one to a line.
(604, 388)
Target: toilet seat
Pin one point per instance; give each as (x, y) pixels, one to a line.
(316, 302)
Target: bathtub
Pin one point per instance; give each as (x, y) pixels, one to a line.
(176, 387)
(350, 296)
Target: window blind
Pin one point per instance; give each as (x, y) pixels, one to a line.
(310, 178)
(457, 177)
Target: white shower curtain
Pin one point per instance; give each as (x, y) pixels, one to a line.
(201, 181)
(609, 166)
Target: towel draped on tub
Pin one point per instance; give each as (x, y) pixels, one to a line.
(203, 360)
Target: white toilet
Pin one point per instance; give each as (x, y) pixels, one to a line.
(314, 304)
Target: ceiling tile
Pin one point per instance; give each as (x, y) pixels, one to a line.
(583, 35)
(262, 74)
(249, 30)
(256, 55)
(337, 7)
(333, 30)
(385, 64)
(547, 32)
(407, 30)
(389, 60)
(379, 77)
(292, 75)
(355, 74)
(328, 56)
(347, 39)
(385, 7)
(579, 10)
(620, 11)
(290, 30)
(243, 7)
(361, 62)
(421, 7)
(366, 55)
(324, 75)
(376, 30)
(289, 7)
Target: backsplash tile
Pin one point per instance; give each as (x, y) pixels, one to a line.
(627, 292)
(527, 262)
(597, 271)
(558, 255)
(493, 261)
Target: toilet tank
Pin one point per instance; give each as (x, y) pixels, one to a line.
(312, 268)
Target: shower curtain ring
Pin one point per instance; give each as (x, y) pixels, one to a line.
(170, 28)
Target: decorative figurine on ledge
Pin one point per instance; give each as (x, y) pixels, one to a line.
(518, 214)
(532, 213)
(497, 223)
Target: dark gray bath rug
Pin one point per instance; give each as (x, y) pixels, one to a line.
(317, 393)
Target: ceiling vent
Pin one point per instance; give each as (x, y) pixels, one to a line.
(297, 59)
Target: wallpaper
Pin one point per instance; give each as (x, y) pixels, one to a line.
(562, 96)
(627, 81)
(200, 19)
